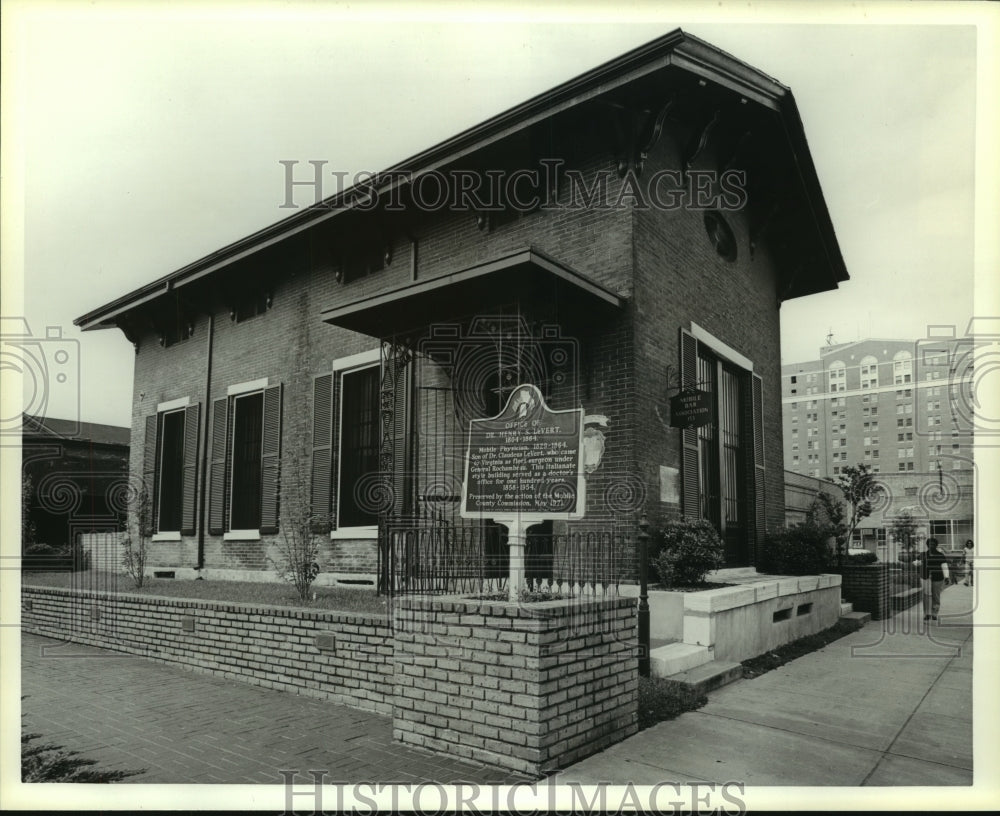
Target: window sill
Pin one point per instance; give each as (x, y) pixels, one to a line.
(242, 535)
(167, 536)
(354, 532)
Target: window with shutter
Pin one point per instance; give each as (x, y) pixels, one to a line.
(170, 478)
(149, 463)
(245, 462)
(360, 442)
(248, 423)
(170, 469)
(722, 462)
(321, 478)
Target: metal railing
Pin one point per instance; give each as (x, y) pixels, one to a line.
(417, 557)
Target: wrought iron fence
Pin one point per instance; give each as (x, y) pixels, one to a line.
(417, 557)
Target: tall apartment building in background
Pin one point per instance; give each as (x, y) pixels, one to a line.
(903, 407)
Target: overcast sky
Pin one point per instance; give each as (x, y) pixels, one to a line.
(153, 135)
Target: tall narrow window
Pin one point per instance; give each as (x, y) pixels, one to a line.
(248, 422)
(170, 468)
(722, 454)
(171, 476)
(245, 461)
(359, 446)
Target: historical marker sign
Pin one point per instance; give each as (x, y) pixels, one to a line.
(691, 409)
(526, 462)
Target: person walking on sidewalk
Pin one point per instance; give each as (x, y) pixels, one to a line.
(967, 561)
(934, 571)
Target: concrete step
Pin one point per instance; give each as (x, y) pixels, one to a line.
(677, 657)
(864, 617)
(845, 607)
(709, 676)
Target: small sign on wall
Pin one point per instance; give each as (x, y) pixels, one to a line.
(669, 491)
(691, 409)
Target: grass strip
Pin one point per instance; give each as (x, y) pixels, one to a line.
(662, 699)
(756, 666)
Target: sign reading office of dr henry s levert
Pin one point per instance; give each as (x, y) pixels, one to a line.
(527, 461)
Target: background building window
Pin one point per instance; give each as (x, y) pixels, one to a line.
(869, 372)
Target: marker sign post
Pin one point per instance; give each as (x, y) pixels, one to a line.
(523, 466)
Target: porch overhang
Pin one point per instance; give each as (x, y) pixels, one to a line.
(526, 276)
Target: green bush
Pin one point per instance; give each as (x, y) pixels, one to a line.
(799, 550)
(861, 558)
(688, 549)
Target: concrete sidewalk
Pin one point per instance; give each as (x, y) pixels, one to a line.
(888, 705)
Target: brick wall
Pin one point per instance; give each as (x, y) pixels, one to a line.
(679, 278)
(289, 344)
(866, 586)
(342, 657)
(528, 688)
(662, 260)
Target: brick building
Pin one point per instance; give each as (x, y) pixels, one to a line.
(77, 472)
(903, 407)
(629, 231)
(899, 406)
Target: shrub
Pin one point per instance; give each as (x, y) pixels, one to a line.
(688, 549)
(861, 558)
(41, 556)
(138, 532)
(799, 550)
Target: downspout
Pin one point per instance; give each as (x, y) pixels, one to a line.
(202, 513)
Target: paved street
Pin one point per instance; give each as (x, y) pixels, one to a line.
(182, 727)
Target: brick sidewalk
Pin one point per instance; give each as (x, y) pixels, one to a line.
(129, 712)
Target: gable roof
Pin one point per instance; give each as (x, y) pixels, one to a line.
(673, 52)
(69, 429)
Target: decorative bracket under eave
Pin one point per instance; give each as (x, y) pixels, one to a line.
(698, 149)
(758, 232)
(790, 282)
(739, 152)
(636, 133)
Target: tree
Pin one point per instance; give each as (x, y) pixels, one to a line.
(135, 546)
(903, 529)
(827, 514)
(857, 482)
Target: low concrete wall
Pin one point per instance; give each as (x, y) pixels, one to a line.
(342, 657)
(666, 611)
(739, 622)
(743, 622)
(531, 687)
